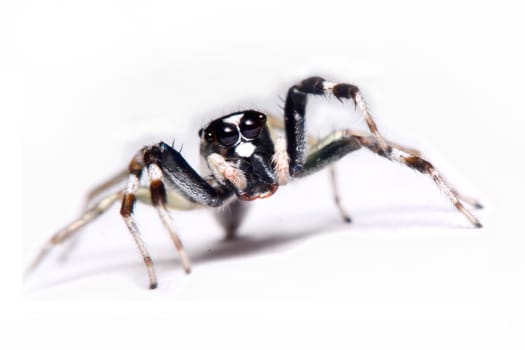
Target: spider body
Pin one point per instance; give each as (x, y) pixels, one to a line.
(245, 160)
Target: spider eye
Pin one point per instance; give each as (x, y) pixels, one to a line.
(251, 124)
(209, 135)
(227, 134)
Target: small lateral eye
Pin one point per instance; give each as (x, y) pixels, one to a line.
(227, 134)
(209, 136)
(251, 124)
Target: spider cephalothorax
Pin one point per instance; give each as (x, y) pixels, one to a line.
(238, 150)
(246, 161)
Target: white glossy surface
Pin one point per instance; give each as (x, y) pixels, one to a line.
(101, 79)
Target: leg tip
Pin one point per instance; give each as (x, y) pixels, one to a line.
(153, 285)
(478, 225)
(187, 270)
(347, 219)
(478, 206)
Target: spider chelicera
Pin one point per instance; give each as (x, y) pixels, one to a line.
(245, 161)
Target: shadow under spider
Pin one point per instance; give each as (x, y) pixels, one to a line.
(252, 242)
(247, 243)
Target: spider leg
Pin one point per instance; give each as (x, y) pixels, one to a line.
(416, 153)
(328, 150)
(231, 214)
(70, 233)
(414, 160)
(116, 179)
(324, 153)
(136, 168)
(337, 198)
(180, 175)
(166, 166)
(425, 167)
(466, 199)
(159, 199)
(70, 230)
(340, 143)
(277, 123)
(295, 109)
(406, 149)
(174, 202)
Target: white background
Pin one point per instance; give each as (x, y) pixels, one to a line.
(93, 81)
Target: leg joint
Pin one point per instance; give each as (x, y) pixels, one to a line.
(419, 164)
(128, 203)
(153, 155)
(158, 193)
(312, 85)
(345, 91)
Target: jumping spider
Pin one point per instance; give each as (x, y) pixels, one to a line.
(246, 161)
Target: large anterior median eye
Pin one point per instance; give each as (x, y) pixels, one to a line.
(251, 124)
(227, 134)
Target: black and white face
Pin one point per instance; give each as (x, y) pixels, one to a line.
(236, 135)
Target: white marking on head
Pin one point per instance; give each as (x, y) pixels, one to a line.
(245, 149)
(234, 119)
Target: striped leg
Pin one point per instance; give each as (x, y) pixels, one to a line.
(295, 109)
(340, 143)
(423, 166)
(159, 200)
(136, 168)
(70, 230)
(114, 180)
(415, 153)
(281, 163)
(335, 187)
(161, 159)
